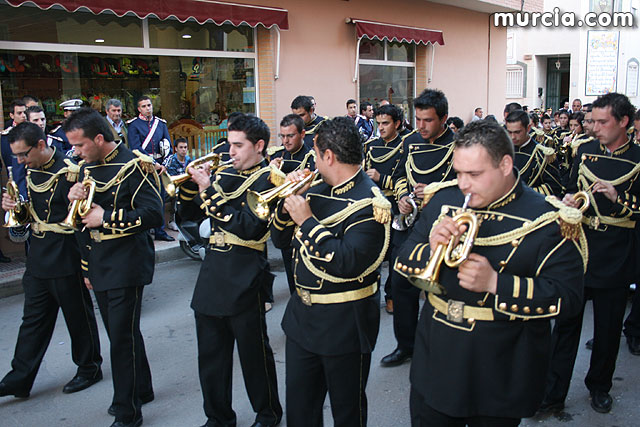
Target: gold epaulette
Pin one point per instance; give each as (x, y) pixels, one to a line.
(145, 162)
(276, 176)
(274, 149)
(431, 189)
(547, 151)
(72, 170)
(381, 206)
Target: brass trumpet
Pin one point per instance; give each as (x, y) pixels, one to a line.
(259, 202)
(453, 253)
(402, 222)
(19, 215)
(171, 183)
(584, 198)
(80, 208)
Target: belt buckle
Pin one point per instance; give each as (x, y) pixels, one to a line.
(95, 236)
(305, 296)
(218, 238)
(35, 227)
(594, 222)
(455, 311)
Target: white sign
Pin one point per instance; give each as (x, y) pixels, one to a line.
(632, 78)
(602, 62)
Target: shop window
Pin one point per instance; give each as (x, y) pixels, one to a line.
(387, 71)
(196, 88)
(515, 82)
(173, 34)
(31, 24)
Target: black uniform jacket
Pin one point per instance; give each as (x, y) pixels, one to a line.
(121, 253)
(336, 267)
(608, 225)
(310, 130)
(222, 148)
(493, 360)
(537, 167)
(303, 158)
(53, 251)
(385, 158)
(423, 162)
(234, 269)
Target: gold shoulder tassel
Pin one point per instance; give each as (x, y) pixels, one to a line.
(381, 206)
(276, 176)
(72, 170)
(145, 162)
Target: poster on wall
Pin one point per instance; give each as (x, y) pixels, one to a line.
(602, 62)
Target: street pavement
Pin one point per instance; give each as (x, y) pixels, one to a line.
(169, 332)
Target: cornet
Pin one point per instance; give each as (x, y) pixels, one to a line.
(402, 222)
(19, 215)
(453, 253)
(80, 208)
(171, 183)
(259, 202)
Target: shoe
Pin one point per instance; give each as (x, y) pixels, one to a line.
(267, 307)
(589, 344)
(164, 237)
(144, 399)
(80, 383)
(398, 357)
(172, 226)
(547, 407)
(389, 306)
(135, 423)
(6, 391)
(634, 345)
(4, 258)
(259, 424)
(601, 401)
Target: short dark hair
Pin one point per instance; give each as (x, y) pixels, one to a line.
(637, 117)
(579, 116)
(254, 129)
(16, 103)
(33, 109)
(341, 136)
(512, 106)
(28, 98)
(302, 101)
(535, 119)
(231, 117)
(545, 117)
(390, 110)
(28, 132)
(476, 110)
(180, 141)
(491, 118)
(90, 122)
(433, 98)
(490, 135)
(518, 116)
(143, 98)
(620, 106)
(293, 119)
(457, 122)
(351, 101)
(565, 112)
(364, 105)
(587, 107)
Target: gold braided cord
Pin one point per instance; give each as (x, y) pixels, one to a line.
(583, 170)
(46, 186)
(383, 158)
(242, 242)
(411, 166)
(526, 228)
(242, 188)
(605, 219)
(123, 173)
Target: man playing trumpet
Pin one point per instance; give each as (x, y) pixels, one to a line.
(482, 345)
(52, 279)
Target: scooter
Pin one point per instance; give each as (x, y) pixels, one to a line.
(191, 241)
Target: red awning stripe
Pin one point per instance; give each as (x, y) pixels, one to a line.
(400, 33)
(183, 10)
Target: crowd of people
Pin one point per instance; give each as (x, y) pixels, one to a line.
(502, 227)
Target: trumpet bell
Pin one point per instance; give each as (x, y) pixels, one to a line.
(258, 205)
(428, 278)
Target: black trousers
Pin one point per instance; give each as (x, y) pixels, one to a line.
(632, 323)
(287, 259)
(423, 415)
(216, 337)
(42, 298)
(310, 376)
(120, 311)
(608, 312)
(405, 307)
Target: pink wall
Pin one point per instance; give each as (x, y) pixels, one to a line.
(318, 52)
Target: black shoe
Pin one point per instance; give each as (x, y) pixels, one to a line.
(210, 424)
(589, 344)
(4, 258)
(144, 399)
(601, 401)
(6, 391)
(398, 357)
(135, 423)
(259, 424)
(80, 383)
(634, 345)
(164, 237)
(548, 407)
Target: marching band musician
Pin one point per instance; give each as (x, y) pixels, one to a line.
(118, 256)
(426, 159)
(304, 106)
(52, 279)
(482, 346)
(234, 279)
(608, 169)
(291, 156)
(340, 230)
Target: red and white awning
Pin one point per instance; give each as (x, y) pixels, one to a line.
(201, 10)
(399, 33)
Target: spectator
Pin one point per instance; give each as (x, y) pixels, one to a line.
(114, 117)
(477, 114)
(364, 121)
(455, 124)
(352, 109)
